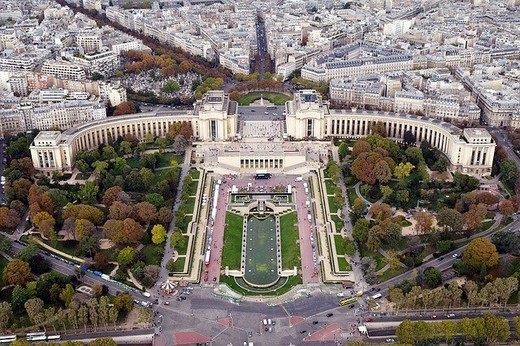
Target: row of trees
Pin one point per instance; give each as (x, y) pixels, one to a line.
(497, 292)
(487, 329)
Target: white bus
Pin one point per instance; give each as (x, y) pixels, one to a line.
(376, 296)
(53, 337)
(35, 336)
(7, 339)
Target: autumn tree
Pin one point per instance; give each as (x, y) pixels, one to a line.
(120, 211)
(486, 198)
(507, 207)
(424, 222)
(126, 255)
(83, 211)
(100, 261)
(17, 272)
(380, 211)
(450, 220)
(480, 252)
(111, 195)
(126, 107)
(126, 231)
(361, 146)
(83, 228)
(158, 234)
(146, 212)
(124, 303)
(44, 222)
(403, 170)
(474, 216)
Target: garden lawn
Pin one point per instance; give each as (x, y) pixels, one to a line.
(344, 265)
(232, 248)
(166, 159)
(152, 254)
(338, 222)
(330, 186)
(387, 275)
(291, 282)
(340, 247)
(195, 174)
(159, 176)
(179, 265)
(289, 238)
(275, 98)
(70, 247)
(351, 196)
(380, 263)
(189, 205)
(334, 207)
(181, 250)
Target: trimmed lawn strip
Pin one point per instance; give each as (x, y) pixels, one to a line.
(181, 250)
(189, 205)
(195, 173)
(337, 220)
(179, 265)
(330, 186)
(275, 98)
(338, 243)
(344, 265)
(334, 207)
(232, 248)
(289, 238)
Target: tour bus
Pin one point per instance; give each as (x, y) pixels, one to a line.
(36, 336)
(376, 296)
(53, 337)
(207, 257)
(7, 339)
(270, 107)
(347, 301)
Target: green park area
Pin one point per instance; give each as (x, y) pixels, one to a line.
(232, 249)
(289, 238)
(275, 98)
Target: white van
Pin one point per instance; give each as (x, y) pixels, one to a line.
(269, 321)
(265, 322)
(146, 294)
(298, 179)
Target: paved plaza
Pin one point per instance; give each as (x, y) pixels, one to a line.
(306, 229)
(262, 129)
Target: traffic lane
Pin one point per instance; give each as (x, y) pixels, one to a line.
(108, 334)
(88, 278)
(441, 265)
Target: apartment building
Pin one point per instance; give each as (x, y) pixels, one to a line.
(63, 69)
